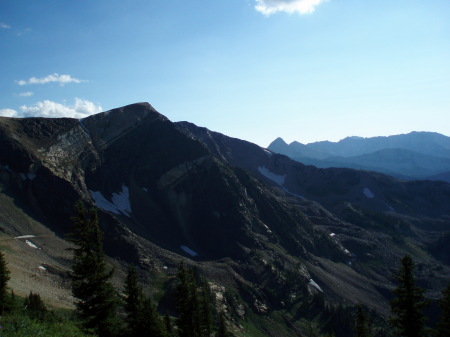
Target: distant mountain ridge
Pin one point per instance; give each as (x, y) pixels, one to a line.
(416, 155)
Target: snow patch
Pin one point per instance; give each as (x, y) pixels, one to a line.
(25, 236)
(102, 203)
(333, 234)
(26, 176)
(84, 127)
(390, 208)
(145, 189)
(42, 268)
(189, 251)
(368, 193)
(315, 285)
(279, 179)
(31, 244)
(268, 152)
(293, 194)
(120, 201)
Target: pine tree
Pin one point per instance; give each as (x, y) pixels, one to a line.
(142, 317)
(222, 331)
(408, 302)
(361, 323)
(4, 278)
(35, 307)
(188, 307)
(96, 301)
(443, 326)
(168, 324)
(205, 309)
(133, 300)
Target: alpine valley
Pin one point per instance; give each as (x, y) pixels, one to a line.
(288, 249)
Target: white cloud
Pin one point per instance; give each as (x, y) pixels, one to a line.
(26, 94)
(53, 78)
(8, 113)
(80, 109)
(4, 25)
(268, 7)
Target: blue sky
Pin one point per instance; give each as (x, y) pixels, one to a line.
(305, 70)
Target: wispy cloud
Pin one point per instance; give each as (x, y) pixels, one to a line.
(4, 25)
(26, 94)
(53, 78)
(23, 32)
(80, 109)
(268, 7)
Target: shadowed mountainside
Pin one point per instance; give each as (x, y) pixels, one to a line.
(283, 238)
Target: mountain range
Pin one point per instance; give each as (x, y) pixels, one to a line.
(283, 244)
(417, 155)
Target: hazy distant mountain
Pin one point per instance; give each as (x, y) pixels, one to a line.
(417, 155)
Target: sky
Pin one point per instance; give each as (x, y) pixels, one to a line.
(303, 70)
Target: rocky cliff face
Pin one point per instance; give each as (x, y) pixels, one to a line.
(271, 230)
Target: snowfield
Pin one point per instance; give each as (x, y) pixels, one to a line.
(120, 202)
(368, 193)
(279, 179)
(188, 250)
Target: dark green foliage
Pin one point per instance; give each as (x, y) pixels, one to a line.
(443, 326)
(142, 317)
(361, 322)
(193, 305)
(222, 331)
(35, 307)
(4, 278)
(96, 299)
(133, 299)
(168, 324)
(408, 302)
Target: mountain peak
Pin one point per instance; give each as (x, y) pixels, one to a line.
(110, 124)
(278, 143)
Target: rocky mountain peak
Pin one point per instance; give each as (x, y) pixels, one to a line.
(107, 126)
(278, 144)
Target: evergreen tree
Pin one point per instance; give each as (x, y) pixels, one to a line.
(142, 317)
(408, 302)
(443, 326)
(361, 323)
(96, 301)
(4, 278)
(222, 331)
(188, 307)
(35, 307)
(168, 324)
(133, 300)
(205, 309)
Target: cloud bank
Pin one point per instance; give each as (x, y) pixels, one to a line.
(268, 7)
(8, 113)
(53, 78)
(80, 109)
